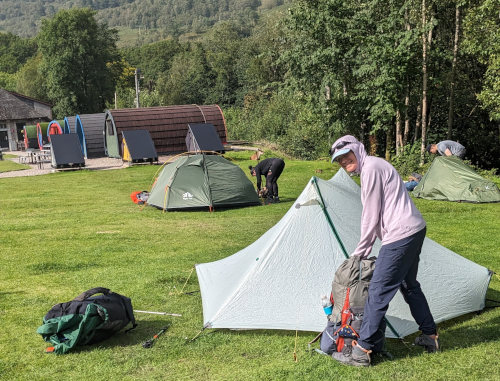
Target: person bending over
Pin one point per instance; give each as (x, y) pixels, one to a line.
(390, 215)
(270, 168)
(447, 148)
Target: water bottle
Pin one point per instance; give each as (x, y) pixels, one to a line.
(327, 305)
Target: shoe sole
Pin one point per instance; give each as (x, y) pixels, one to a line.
(351, 363)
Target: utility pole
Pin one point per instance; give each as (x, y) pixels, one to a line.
(137, 91)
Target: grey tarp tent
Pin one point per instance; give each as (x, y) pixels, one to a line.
(276, 282)
(450, 179)
(202, 181)
(203, 137)
(66, 151)
(138, 147)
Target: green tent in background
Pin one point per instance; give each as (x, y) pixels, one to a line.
(450, 179)
(202, 181)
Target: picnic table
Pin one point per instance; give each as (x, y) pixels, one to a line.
(36, 157)
(29, 157)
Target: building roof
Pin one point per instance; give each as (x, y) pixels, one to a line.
(13, 108)
(30, 98)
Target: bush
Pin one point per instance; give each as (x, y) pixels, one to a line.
(297, 129)
(306, 138)
(409, 160)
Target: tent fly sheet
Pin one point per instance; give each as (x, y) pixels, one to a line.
(450, 179)
(296, 259)
(202, 181)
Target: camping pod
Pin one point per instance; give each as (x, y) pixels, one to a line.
(450, 179)
(41, 133)
(168, 126)
(276, 282)
(69, 122)
(202, 181)
(138, 147)
(30, 136)
(89, 128)
(54, 128)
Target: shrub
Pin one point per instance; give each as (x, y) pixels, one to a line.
(408, 160)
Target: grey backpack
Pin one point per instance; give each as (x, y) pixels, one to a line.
(349, 294)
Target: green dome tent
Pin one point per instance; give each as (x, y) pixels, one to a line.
(450, 179)
(201, 181)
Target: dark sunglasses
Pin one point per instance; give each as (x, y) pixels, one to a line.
(337, 147)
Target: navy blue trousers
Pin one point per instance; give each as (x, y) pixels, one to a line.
(395, 269)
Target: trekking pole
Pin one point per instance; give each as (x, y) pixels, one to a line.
(158, 313)
(150, 343)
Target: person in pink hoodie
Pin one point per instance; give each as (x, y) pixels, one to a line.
(390, 215)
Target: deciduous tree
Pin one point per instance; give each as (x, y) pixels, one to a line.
(76, 50)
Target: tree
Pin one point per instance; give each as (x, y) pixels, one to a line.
(7, 81)
(222, 44)
(30, 80)
(14, 52)
(451, 111)
(482, 40)
(154, 59)
(76, 51)
(189, 79)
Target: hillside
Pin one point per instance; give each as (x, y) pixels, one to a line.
(159, 18)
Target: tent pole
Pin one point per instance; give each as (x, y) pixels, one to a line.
(330, 222)
(210, 207)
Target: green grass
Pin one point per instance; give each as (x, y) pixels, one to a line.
(9, 165)
(63, 233)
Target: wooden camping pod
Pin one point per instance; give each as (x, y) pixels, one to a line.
(89, 128)
(69, 124)
(30, 136)
(41, 133)
(167, 125)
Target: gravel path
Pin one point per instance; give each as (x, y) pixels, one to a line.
(101, 163)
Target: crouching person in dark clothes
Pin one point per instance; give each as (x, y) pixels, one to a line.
(390, 215)
(270, 168)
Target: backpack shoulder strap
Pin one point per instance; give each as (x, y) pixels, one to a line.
(87, 294)
(316, 338)
(129, 311)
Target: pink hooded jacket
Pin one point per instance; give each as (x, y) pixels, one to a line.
(389, 213)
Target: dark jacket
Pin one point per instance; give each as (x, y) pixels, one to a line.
(262, 169)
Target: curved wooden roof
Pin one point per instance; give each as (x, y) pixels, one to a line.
(168, 125)
(92, 125)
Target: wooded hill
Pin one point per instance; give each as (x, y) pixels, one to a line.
(399, 75)
(161, 17)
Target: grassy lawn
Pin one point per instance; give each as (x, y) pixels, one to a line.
(67, 232)
(9, 165)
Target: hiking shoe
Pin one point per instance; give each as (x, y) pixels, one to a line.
(358, 357)
(429, 342)
(276, 200)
